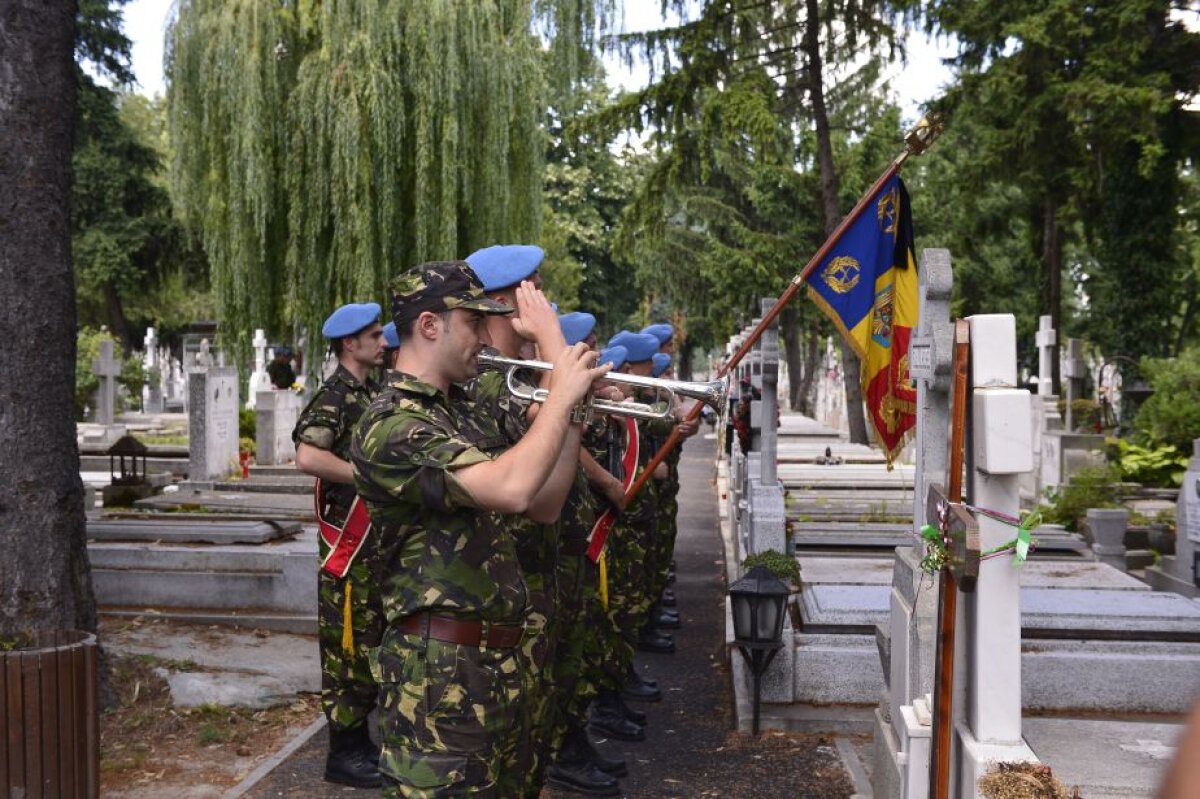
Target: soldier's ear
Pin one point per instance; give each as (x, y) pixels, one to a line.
(428, 325)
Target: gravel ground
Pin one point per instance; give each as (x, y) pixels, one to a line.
(691, 748)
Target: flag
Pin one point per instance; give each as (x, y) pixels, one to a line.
(867, 286)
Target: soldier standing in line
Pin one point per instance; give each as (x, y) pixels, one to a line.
(347, 622)
(437, 474)
(391, 346)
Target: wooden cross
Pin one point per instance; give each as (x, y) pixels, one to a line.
(960, 532)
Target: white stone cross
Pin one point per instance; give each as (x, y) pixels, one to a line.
(259, 381)
(1047, 338)
(107, 369)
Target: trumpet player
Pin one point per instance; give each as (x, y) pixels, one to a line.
(439, 478)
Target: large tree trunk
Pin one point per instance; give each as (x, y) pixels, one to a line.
(45, 583)
(792, 336)
(829, 203)
(116, 316)
(812, 366)
(1052, 259)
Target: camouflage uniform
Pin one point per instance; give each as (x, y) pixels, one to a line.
(668, 508)
(450, 714)
(348, 690)
(537, 552)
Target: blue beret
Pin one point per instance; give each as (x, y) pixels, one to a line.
(349, 319)
(504, 265)
(615, 355)
(661, 362)
(661, 331)
(641, 346)
(576, 326)
(391, 336)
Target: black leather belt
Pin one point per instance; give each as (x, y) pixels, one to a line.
(466, 632)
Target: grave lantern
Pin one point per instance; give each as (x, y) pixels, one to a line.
(759, 601)
(126, 472)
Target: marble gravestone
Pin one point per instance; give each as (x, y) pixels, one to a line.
(107, 368)
(1181, 572)
(276, 413)
(212, 422)
(152, 393)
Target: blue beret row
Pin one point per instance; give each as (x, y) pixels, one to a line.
(504, 265)
(615, 355)
(641, 346)
(576, 326)
(661, 331)
(661, 362)
(391, 336)
(350, 319)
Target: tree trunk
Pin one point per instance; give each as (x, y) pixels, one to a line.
(118, 324)
(812, 365)
(829, 204)
(792, 335)
(1052, 259)
(45, 582)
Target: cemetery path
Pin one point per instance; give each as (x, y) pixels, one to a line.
(691, 747)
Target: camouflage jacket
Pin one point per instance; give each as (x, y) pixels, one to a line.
(607, 445)
(328, 421)
(537, 544)
(436, 549)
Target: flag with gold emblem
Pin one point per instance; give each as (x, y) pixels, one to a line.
(868, 286)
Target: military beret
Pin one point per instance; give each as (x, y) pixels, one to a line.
(350, 319)
(662, 362)
(640, 346)
(615, 355)
(661, 331)
(576, 326)
(439, 286)
(504, 265)
(390, 336)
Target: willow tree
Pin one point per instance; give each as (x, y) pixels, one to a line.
(324, 146)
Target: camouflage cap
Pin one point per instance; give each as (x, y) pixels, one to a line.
(439, 286)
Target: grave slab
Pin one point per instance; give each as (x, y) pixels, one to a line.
(190, 532)
(291, 506)
(1105, 758)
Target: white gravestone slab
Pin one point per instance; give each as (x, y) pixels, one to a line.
(152, 396)
(276, 413)
(1047, 338)
(259, 380)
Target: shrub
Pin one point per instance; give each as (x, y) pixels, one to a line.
(1172, 413)
(247, 423)
(1163, 465)
(1090, 488)
(780, 564)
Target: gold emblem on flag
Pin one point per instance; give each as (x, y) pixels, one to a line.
(888, 210)
(842, 274)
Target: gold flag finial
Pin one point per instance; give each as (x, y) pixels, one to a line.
(918, 140)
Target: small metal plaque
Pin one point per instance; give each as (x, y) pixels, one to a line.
(960, 531)
(920, 358)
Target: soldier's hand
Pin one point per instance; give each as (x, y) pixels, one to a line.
(614, 492)
(609, 392)
(574, 373)
(536, 321)
(688, 428)
(660, 472)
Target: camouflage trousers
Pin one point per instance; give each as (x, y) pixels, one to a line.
(629, 547)
(348, 690)
(538, 650)
(585, 639)
(664, 541)
(450, 718)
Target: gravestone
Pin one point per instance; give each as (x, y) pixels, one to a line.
(276, 413)
(152, 365)
(212, 421)
(1047, 339)
(259, 380)
(902, 722)
(1107, 527)
(1181, 572)
(107, 369)
(1074, 371)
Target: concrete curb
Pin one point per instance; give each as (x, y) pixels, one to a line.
(271, 763)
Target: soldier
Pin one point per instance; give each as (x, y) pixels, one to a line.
(322, 436)
(391, 345)
(501, 269)
(437, 474)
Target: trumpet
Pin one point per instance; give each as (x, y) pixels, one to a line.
(712, 393)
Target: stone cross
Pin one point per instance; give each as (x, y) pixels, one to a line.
(1074, 370)
(929, 363)
(259, 381)
(107, 369)
(1047, 338)
(204, 357)
(152, 385)
(769, 350)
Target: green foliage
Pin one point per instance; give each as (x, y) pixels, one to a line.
(323, 147)
(1162, 465)
(780, 564)
(247, 423)
(1090, 488)
(1086, 414)
(1172, 413)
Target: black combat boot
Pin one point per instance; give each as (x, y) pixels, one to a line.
(614, 766)
(607, 719)
(665, 618)
(574, 771)
(650, 639)
(349, 761)
(636, 716)
(639, 689)
(668, 598)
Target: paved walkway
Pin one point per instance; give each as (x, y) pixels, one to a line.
(690, 749)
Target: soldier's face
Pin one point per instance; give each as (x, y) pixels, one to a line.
(464, 335)
(367, 347)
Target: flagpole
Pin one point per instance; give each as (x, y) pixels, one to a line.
(916, 141)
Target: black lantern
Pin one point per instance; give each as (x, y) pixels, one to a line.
(127, 473)
(759, 601)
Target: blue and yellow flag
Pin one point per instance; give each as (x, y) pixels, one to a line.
(867, 286)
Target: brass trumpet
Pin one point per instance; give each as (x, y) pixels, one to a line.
(712, 393)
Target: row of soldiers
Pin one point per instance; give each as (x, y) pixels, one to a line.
(457, 595)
